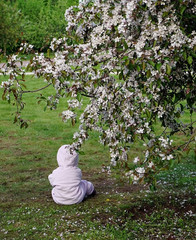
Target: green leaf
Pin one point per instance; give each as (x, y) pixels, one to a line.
(158, 66)
(177, 114)
(138, 68)
(121, 75)
(24, 124)
(81, 153)
(79, 96)
(148, 113)
(143, 66)
(184, 55)
(168, 69)
(153, 187)
(151, 63)
(193, 54)
(148, 73)
(48, 53)
(15, 119)
(22, 84)
(131, 113)
(131, 66)
(4, 95)
(125, 45)
(182, 107)
(171, 163)
(73, 121)
(182, 9)
(53, 81)
(127, 62)
(190, 60)
(165, 14)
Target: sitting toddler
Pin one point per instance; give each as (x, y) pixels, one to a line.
(68, 188)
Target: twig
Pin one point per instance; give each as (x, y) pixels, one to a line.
(187, 143)
(37, 90)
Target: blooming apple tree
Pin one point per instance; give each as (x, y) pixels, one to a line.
(135, 61)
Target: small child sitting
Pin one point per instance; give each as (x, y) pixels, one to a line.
(68, 188)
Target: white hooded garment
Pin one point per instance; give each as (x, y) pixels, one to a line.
(68, 188)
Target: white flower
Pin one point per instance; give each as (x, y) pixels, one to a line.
(74, 103)
(141, 130)
(170, 157)
(146, 154)
(136, 160)
(135, 178)
(76, 135)
(113, 162)
(140, 170)
(129, 173)
(162, 156)
(67, 115)
(151, 164)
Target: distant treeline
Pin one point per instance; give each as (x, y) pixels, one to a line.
(34, 21)
(38, 21)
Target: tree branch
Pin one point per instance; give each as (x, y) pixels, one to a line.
(86, 95)
(192, 139)
(37, 90)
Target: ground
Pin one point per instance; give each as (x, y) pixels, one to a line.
(119, 211)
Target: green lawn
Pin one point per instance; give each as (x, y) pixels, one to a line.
(119, 211)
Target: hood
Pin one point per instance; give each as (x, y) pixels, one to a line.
(65, 158)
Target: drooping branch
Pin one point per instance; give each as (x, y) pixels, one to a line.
(37, 90)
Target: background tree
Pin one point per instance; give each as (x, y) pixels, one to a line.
(10, 27)
(35, 21)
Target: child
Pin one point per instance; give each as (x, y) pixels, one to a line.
(68, 188)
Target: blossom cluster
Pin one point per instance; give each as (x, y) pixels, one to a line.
(134, 62)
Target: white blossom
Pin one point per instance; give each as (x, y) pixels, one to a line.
(151, 164)
(136, 160)
(67, 115)
(74, 103)
(140, 170)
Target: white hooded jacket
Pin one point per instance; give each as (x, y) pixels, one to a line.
(68, 188)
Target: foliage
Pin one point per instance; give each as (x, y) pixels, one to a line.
(43, 20)
(10, 27)
(135, 60)
(35, 21)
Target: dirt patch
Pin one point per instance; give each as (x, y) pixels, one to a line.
(104, 183)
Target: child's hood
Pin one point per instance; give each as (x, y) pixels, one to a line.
(65, 158)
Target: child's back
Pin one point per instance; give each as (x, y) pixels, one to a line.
(68, 188)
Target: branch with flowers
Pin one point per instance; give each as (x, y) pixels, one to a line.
(135, 60)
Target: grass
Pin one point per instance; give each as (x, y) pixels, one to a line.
(118, 211)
